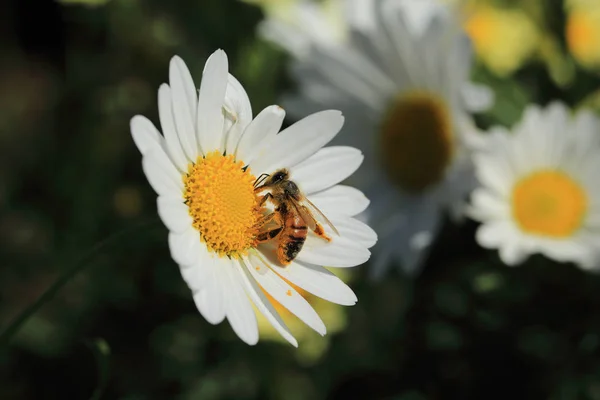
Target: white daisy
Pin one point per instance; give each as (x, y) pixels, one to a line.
(203, 170)
(298, 24)
(408, 97)
(540, 190)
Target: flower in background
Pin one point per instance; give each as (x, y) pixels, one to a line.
(204, 169)
(583, 32)
(539, 189)
(313, 347)
(504, 38)
(408, 98)
(297, 24)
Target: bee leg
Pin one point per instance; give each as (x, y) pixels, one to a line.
(264, 220)
(264, 199)
(268, 235)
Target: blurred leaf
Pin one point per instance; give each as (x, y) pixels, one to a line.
(510, 98)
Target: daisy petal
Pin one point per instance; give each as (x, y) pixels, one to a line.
(326, 167)
(339, 253)
(174, 214)
(264, 306)
(210, 102)
(511, 253)
(283, 293)
(266, 125)
(340, 200)
(299, 141)
(209, 300)
(144, 133)
(318, 281)
(181, 107)
(237, 104)
(198, 274)
(189, 86)
(161, 173)
(355, 230)
(237, 307)
(167, 121)
(185, 246)
(492, 234)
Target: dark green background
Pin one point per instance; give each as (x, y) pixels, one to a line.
(71, 77)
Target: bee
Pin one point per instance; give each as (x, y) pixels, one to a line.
(293, 215)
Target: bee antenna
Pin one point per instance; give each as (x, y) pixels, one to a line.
(260, 179)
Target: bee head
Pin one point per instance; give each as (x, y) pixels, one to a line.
(279, 176)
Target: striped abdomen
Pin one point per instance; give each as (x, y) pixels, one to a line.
(292, 238)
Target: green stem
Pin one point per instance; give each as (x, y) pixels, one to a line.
(78, 266)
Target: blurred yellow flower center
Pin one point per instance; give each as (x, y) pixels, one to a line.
(416, 140)
(583, 35)
(221, 200)
(549, 203)
(481, 27)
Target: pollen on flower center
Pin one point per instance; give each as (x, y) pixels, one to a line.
(416, 140)
(221, 200)
(549, 203)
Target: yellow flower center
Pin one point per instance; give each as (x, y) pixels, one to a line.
(482, 27)
(504, 38)
(220, 196)
(416, 140)
(583, 35)
(549, 203)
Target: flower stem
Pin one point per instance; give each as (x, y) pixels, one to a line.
(69, 273)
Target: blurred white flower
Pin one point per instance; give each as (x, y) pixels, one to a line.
(297, 24)
(407, 96)
(540, 190)
(204, 169)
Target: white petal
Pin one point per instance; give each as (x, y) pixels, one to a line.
(339, 253)
(341, 200)
(477, 98)
(198, 274)
(237, 306)
(494, 233)
(493, 174)
(238, 108)
(189, 86)
(512, 252)
(185, 246)
(264, 127)
(487, 205)
(285, 294)
(174, 214)
(210, 102)
(167, 121)
(354, 230)
(318, 281)
(181, 107)
(326, 167)
(210, 299)
(162, 174)
(299, 141)
(144, 133)
(264, 305)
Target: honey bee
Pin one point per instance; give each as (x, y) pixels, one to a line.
(293, 215)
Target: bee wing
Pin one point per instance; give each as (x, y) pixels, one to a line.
(309, 208)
